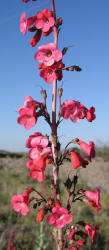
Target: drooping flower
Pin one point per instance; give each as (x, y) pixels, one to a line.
(48, 54)
(45, 21)
(77, 160)
(40, 215)
(88, 149)
(25, 23)
(94, 198)
(60, 217)
(91, 231)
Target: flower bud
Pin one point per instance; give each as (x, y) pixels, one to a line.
(44, 94)
(40, 215)
(60, 91)
(60, 21)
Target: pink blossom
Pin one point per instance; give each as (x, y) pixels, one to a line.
(94, 198)
(27, 117)
(91, 231)
(77, 160)
(71, 110)
(60, 217)
(25, 23)
(27, 112)
(44, 20)
(37, 168)
(38, 152)
(19, 205)
(48, 74)
(53, 72)
(88, 149)
(38, 165)
(37, 139)
(29, 102)
(38, 175)
(48, 54)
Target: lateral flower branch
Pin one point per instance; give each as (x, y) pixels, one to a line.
(42, 151)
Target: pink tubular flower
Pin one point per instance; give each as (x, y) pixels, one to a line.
(27, 112)
(37, 139)
(91, 231)
(71, 236)
(52, 72)
(44, 20)
(94, 198)
(60, 217)
(71, 110)
(77, 160)
(19, 204)
(38, 152)
(88, 149)
(37, 168)
(25, 23)
(27, 117)
(48, 54)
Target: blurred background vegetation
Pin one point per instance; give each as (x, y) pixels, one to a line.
(14, 178)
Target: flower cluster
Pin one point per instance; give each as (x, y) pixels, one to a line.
(88, 231)
(75, 111)
(42, 151)
(42, 24)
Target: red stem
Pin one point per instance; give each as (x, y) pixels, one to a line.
(54, 132)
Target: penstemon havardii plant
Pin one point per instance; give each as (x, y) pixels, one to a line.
(43, 151)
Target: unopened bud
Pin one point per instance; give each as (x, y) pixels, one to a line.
(57, 203)
(60, 21)
(39, 66)
(72, 68)
(44, 94)
(40, 215)
(60, 91)
(64, 50)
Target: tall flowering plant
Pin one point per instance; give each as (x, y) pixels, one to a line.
(42, 151)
